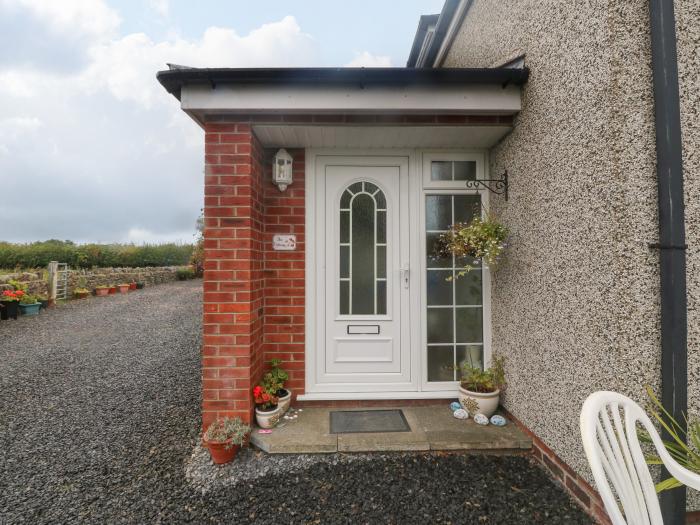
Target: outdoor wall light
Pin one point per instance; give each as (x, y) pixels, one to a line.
(282, 169)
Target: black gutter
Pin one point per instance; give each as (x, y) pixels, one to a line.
(669, 170)
(173, 79)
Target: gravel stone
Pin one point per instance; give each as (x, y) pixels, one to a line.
(99, 421)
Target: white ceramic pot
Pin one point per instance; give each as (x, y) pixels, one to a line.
(268, 418)
(485, 403)
(283, 402)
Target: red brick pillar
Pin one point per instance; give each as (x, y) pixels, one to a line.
(233, 281)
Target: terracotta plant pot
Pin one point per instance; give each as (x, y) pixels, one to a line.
(112, 290)
(101, 292)
(123, 288)
(10, 310)
(283, 401)
(132, 286)
(81, 295)
(268, 418)
(219, 453)
(479, 402)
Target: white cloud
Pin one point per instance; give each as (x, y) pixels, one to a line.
(104, 151)
(126, 67)
(162, 7)
(367, 59)
(89, 17)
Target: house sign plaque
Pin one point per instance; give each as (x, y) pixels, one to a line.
(284, 243)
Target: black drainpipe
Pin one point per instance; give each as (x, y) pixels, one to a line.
(669, 170)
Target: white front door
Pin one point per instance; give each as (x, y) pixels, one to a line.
(363, 288)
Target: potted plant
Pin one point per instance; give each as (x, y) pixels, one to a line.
(140, 285)
(224, 438)
(480, 390)
(267, 413)
(81, 293)
(132, 285)
(112, 289)
(101, 291)
(123, 288)
(479, 239)
(10, 302)
(277, 377)
(29, 305)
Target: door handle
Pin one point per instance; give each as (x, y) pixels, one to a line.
(406, 275)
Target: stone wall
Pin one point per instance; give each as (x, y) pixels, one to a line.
(576, 301)
(37, 281)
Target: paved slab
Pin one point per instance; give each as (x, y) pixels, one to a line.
(432, 428)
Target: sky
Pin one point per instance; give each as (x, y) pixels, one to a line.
(93, 149)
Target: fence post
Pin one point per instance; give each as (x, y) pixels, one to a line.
(52, 282)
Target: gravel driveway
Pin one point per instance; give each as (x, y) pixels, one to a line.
(99, 417)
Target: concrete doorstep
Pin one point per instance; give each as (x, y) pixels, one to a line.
(432, 428)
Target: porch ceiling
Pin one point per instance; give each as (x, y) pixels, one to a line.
(366, 137)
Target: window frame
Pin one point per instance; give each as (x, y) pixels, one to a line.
(430, 187)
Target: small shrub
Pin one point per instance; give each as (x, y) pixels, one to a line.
(184, 274)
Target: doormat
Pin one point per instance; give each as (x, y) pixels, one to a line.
(356, 421)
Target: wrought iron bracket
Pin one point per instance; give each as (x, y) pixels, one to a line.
(497, 186)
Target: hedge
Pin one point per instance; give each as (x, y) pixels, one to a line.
(39, 254)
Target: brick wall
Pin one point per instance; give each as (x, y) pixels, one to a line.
(283, 333)
(233, 272)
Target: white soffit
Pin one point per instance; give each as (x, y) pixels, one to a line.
(490, 99)
(303, 136)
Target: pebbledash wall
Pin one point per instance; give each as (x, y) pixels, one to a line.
(253, 296)
(576, 301)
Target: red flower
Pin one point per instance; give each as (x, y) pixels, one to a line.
(257, 391)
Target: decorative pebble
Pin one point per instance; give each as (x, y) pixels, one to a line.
(460, 413)
(481, 419)
(498, 420)
(455, 406)
(264, 431)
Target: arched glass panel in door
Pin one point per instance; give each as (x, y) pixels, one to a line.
(362, 250)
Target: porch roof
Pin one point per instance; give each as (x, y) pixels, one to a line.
(177, 77)
(355, 107)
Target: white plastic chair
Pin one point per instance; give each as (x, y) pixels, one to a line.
(616, 459)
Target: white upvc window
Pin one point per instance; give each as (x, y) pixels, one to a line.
(456, 310)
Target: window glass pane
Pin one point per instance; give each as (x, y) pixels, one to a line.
(381, 227)
(472, 355)
(440, 363)
(466, 207)
(432, 260)
(356, 188)
(438, 212)
(469, 325)
(344, 298)
(363, 243)
(440, 170)
(344, 226)
(381, 201)
(440, 325)
(381, 262)
(345, 200)
(468, 288)
(362, 251)
(381, 297)
(439, 288)
(465, 170)
(344, 261)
